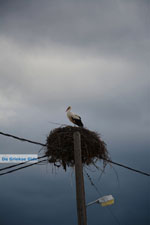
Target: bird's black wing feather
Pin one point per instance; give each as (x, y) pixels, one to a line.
(78, 122)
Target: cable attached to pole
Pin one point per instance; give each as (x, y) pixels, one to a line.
(32, 164)
(22, 139)
(19, 164)
(127, 167)
(115, 163)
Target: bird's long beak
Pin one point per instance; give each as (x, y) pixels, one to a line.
(68, 108)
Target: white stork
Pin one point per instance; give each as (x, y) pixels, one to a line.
(73, 117)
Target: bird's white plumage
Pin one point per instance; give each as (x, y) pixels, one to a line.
(74, 118)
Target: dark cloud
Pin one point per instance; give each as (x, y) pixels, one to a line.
(107, 27)
(93, 55)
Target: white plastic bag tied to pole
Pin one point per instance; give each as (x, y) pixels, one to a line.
(104, 201)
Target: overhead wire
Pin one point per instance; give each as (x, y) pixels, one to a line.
(22, 139)
(19, 164)
(127, 167)
(62, 124)
(108, 160)
(100, 193)
(32, 164)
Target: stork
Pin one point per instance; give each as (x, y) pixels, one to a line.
(73, 117)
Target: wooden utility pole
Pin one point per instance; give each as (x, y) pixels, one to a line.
(80, 193)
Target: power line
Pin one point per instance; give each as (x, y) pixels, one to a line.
(11, 171)
(22, 139)
(127, 167)
(62, 124)
(18, 164)
(100, 193)
(115, 163)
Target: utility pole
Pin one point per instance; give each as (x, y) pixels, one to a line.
(80, 192)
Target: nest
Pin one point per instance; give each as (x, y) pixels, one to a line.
(60, 147)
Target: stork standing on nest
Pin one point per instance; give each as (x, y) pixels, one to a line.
(73, 117)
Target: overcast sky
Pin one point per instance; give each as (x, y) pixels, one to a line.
(92, 55)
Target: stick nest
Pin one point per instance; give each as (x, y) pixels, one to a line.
(60, 147)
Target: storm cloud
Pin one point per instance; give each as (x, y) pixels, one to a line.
(92, 55)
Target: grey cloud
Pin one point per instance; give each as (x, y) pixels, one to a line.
(106, 27)
(39, 81)
(92, 55)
